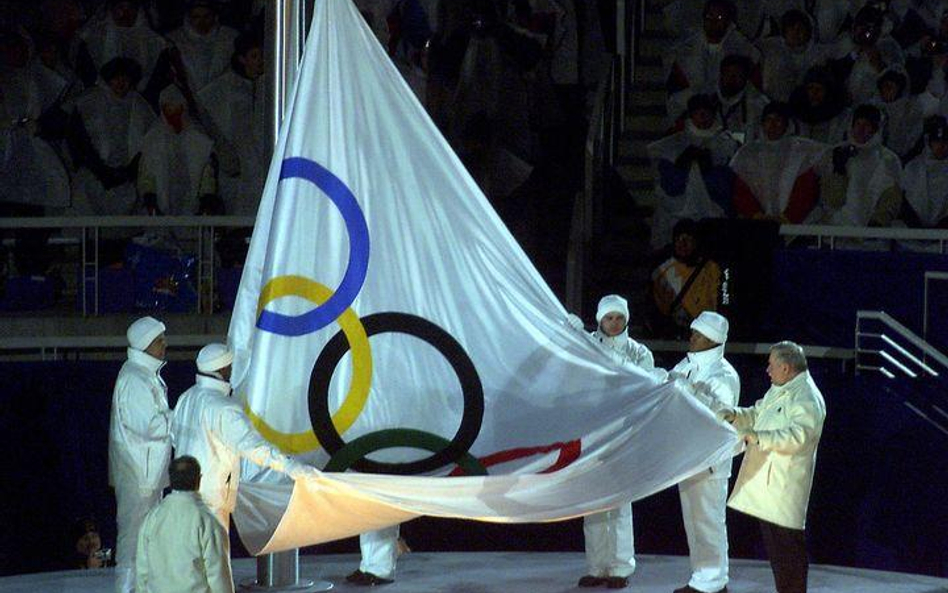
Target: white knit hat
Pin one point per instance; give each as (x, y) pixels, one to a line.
(612, 303)
(711, 325)
(214, 357)
(143, 332)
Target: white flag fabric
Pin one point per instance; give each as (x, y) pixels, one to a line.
(388, 323)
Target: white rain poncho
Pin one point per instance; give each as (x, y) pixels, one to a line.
(237, 109)
(861, 83)
(116, 126)
(926, 187)
(700, 64)
(873, 171)
(31, 170)
(770, 168)
(175, 164)
(783, 67)
(105, 40)
(905, 117)
(205, 56)
(740, 113)
(694, 202)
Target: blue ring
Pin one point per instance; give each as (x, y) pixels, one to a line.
(345, 294)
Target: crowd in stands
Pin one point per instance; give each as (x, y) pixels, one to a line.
(805, 112)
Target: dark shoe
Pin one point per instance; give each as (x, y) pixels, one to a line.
(367, 579)
(617, 582)
(591, 581)
(690, 589)
(355, 577)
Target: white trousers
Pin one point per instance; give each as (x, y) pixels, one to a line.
(703, 505)
(610, 543)
(379, 552)
(132, 506)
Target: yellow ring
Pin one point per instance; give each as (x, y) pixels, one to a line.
(358, 394)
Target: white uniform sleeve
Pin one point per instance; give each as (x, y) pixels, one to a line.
(215, 548)
(642, 356)
(719, 391)
(239, 433)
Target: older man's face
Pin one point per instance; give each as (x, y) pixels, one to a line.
(778, 371)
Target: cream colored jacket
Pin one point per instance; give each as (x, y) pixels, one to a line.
(182, 549)
(777, 473)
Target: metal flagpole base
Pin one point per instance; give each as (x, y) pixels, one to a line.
(280, 572)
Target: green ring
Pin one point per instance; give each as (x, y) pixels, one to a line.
(357, 449)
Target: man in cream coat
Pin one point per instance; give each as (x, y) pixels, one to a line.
(715, 383)
(181, 547)
(782, 431)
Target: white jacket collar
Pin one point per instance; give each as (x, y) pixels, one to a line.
(615, 342)
(205, 382)
(143, 359)
(706, 357)
(792, 383)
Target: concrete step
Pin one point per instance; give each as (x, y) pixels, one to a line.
(649, 73)
(630, 147)
(635, 174)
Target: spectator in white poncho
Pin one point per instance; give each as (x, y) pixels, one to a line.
(785, 59)
(694, 66)
(775, 175)
(106, 132)
(121, 31)
(904, 113)
(860, 179)
(205, 46)
(926, 180)
(235, 107)
(178, 172)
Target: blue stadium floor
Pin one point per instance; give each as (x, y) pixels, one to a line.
(514, 572)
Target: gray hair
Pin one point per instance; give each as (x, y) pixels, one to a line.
(790, 353)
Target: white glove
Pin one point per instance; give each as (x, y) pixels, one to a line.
(675, 375)
(575, 322)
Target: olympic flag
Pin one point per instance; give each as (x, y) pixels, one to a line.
(390, 331)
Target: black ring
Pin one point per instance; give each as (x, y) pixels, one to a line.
(471, 388)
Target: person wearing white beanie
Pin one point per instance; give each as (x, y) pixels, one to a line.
(705, 374)
(212, 427)
(139, 440)
(609, 540)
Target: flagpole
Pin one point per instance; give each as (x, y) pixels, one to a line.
(285, 33)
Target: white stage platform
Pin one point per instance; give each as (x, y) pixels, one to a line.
(514, 572)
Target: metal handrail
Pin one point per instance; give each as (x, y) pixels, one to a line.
(204, 226)
(821, 232)
(907, 334)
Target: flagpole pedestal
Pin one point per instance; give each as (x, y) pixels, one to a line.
(280, 572)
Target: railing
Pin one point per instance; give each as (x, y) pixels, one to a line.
(199, 229)
(828, 235)
(606, 125)
(913, 359)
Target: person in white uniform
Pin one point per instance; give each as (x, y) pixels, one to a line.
(380, 550)
(181, 547)
(715, 383)
(610, 542)
(213, 428)
(204, 44)
(139, 440)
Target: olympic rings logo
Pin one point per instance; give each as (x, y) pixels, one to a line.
(334, 306)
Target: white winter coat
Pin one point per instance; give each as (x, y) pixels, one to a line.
(777, 473)
(715, 383)
(183, 549)
(139, 438)
(624, 350)
(213, 428)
